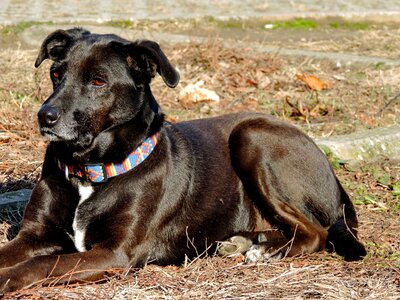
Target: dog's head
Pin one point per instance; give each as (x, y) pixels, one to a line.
(99, 82)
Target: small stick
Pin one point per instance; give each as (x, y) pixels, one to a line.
(394, 99)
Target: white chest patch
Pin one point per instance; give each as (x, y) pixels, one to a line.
(85, 191)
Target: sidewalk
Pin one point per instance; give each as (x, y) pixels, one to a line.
(14, 11)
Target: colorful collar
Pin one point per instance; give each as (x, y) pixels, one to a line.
(99, 172)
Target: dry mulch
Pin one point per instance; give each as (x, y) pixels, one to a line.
(244, 80)
(222, 278)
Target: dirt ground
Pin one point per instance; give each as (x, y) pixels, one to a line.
(351, 99)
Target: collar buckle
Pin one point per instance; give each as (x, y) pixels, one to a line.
(94, 172)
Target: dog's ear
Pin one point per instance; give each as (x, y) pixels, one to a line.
(56, 43)
(148, 54)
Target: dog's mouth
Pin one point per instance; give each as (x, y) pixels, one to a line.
(51, 135)
(79, 142)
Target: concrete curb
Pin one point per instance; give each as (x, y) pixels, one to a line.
(365, 145)
(32, 38)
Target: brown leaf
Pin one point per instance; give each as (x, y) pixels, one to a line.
(252, 82)
(366, 119)
(239, 259)
(313, 82)
(171, 119)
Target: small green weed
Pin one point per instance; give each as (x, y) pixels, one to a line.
(349, 25)
(20, 27)
(335, 161)
(304, 24)
(383, 251)
(121, 23)
(396, 189)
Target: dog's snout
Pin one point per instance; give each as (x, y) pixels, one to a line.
(48, 115)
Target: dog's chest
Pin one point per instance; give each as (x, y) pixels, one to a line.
(85, 191)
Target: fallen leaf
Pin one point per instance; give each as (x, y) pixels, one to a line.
(340, 77)
(252, 82)
(366, 118)
(171, 267)
(239, 259)
(172, 119)
(195, 93)
(263, 80)
(313, 82)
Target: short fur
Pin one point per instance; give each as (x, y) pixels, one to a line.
(206, 180)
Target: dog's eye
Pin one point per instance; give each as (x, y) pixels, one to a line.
(55, 74)
(98, 82)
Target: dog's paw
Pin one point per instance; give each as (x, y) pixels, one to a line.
(235, 245)
(260, 253)
(7, 284)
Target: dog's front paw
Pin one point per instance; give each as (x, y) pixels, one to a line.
(260, 253)
(9, 282)
(235, 245)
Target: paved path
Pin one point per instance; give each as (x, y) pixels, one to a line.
(32, 38)
(14, 11)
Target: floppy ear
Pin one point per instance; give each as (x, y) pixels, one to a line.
(56, 43)
(155, 60)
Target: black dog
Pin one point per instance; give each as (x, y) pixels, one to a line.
(121, 187)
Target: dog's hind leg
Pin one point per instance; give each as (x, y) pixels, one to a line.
(342, 235)
(285, 176)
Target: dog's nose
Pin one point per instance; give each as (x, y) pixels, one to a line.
(48, 115)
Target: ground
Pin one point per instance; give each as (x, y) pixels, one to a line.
(352, 98)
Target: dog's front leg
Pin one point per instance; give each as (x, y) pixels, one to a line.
(22, 248)
(67, 268)
(47, 219)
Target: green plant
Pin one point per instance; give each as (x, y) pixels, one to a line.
(396, 189)
(296, 24)
(19, 27)
(335, 161)
(121, 23)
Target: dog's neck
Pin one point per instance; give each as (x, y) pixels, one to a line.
(100, 173)
(116, 143)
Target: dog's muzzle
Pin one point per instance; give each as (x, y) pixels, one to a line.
(48, 115)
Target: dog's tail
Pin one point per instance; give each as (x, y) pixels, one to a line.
(342, 235)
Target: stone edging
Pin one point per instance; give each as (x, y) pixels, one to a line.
(365, 145)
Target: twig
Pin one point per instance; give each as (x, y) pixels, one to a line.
(54, 267)
(11, 134)
(190, 241)
(291, 272)
(391, 101)
(197, 257)
(291, 241)
(345, 223)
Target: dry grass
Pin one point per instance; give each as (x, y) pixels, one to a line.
(21, 148)
(311, 277)
(245, 80)
(376, 42)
